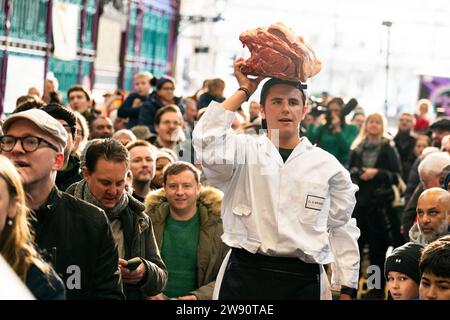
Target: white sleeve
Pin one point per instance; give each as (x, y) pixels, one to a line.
(344, 233)
(216, 145)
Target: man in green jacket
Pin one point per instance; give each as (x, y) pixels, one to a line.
(188, 229)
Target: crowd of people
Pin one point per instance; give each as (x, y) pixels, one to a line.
(152, 196)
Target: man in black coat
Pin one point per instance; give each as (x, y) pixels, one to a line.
(75, 235)
(405, 142)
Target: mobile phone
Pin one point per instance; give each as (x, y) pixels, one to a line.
(133, 264)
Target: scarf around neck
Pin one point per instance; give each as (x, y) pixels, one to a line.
(369, 152)
(82, 192)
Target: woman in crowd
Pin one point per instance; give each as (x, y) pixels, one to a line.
(216, 87)
(335, 136)
(163, 96)
(164, 157)
(81, 136)
(17, 242)
(375, 166)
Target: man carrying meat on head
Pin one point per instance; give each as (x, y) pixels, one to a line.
(288, 204)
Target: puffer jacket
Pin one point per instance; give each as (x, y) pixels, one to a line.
(211, 250)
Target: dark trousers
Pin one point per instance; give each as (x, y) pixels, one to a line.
(260, 277)
(374, 224)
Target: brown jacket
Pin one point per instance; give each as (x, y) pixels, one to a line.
(211, 250)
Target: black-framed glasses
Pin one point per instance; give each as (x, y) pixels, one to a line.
(29, 143)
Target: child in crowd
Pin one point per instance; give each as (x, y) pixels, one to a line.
(435, 269)
(143, 85)
(402, 272)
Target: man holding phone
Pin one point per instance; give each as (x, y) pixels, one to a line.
(142, 269)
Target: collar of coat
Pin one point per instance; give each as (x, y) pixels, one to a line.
(157, 206)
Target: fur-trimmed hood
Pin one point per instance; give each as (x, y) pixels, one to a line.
(210, 197)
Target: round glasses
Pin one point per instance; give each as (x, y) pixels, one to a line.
(29, 143)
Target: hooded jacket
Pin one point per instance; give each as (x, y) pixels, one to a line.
(211, 250)
(417, 237)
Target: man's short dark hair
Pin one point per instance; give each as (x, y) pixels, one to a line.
(442, 124)
(91, 123)
(107, 149)
(166, 109)
(79, 87)
(274, 81)
(60, 112)
(178, 167)
(28, 103)
(435, 258)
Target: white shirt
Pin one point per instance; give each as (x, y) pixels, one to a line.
(301, 208)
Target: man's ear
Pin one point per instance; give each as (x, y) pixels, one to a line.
(59, 161)
(304, 112)
(85, 173)
(261, 111)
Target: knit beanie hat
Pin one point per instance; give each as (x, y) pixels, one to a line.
(405, 259)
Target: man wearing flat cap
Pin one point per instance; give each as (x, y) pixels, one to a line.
(73, 235)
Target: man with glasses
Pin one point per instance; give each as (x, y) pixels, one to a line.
(433, 212)
(75, 235)
(163, 96)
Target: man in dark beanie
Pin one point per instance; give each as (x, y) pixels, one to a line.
(402, 272)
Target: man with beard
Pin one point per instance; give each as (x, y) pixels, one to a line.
(101, 128)
(432, 172)
(142, 165)
(440, 128)
(433, 211)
